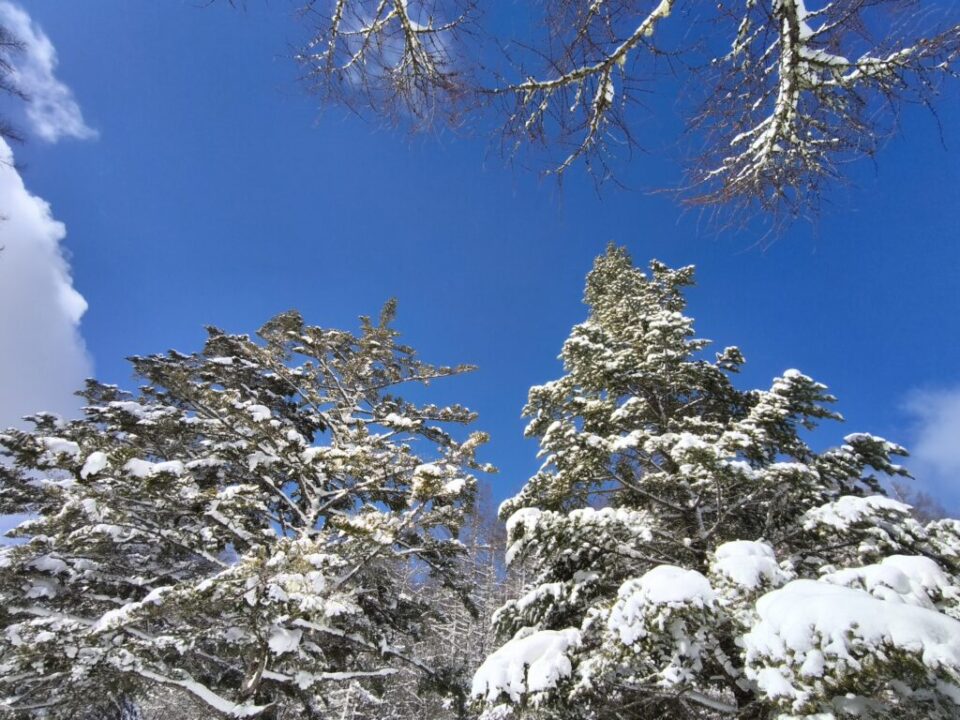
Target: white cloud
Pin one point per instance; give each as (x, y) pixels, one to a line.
(43, 358)
(51, 108)
(935, 447)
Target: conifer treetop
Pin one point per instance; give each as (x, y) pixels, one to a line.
(694, 556)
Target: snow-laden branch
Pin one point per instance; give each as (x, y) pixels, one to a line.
(202, 692)
(790, 103)
(397, 55)
(786, 92)
(592, 84)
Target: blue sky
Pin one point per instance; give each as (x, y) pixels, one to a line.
(216, 192)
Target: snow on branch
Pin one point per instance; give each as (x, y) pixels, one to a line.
(813, 635)
(777, 94)
(395, 56)
(530, 663)
(586, 89)
(802, 90)
(203, 693)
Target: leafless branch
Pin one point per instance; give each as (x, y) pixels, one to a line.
(579, 98)
(397, 58)
(795, 92)
(10, 46)
(789, 106)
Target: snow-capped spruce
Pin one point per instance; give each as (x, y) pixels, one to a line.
(239, 530)
(733, 571)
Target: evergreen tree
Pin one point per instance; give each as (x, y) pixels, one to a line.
(695, 557)
(237, 531)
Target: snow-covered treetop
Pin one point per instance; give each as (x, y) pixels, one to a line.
(672, 508)
(236, 528)
(639, 406)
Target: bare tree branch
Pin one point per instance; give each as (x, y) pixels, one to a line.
(793, 94)
(10, 45)
(588, 89)
(789, 106)
(396, 57)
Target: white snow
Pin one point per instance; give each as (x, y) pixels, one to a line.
(220, 704)
(850, 510)
(59, 446)
(283, 640)
(114, 618)
(669, 584)
(128, 406)
(808, 627)
(49, 564)
(454, 487)
(428, 470)
(259, 413)
(42, 587)
(526, 517)
(663, 586)
(122, 615)
(688, 441)
(921, 570)
(156, 595)
(145, 468)
(258, 458)
(95, 462)
(523, 522)
(312, 453)
(911, 579)
(399, 421)
(527, 664)
(748, 563)
(628, 441)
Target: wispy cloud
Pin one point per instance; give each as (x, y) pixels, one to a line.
(44, 359)
(51, 109)
(935, 446)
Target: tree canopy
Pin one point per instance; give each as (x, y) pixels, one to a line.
(240, 529)
(268, 528)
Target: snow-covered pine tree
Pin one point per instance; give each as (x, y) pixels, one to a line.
(237, 530)
(696, 558)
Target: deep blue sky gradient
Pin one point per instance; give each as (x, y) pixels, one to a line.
(217, 193)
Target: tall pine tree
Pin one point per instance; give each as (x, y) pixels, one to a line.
(695, 557)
